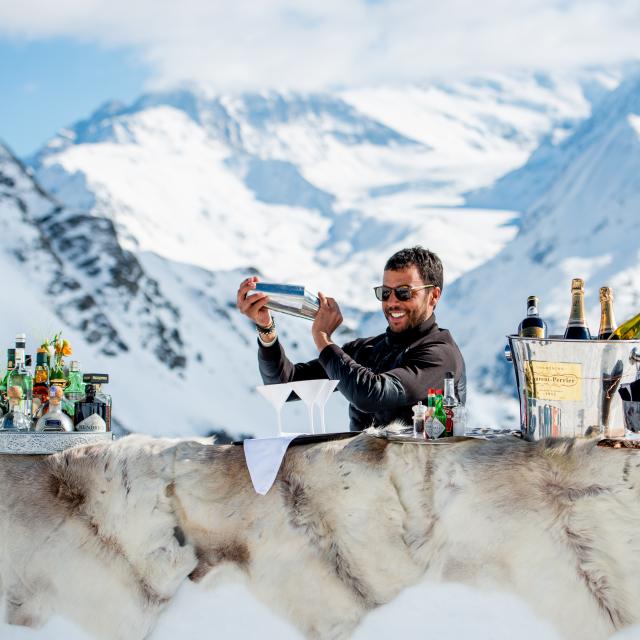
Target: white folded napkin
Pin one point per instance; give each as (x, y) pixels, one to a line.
(264, 457)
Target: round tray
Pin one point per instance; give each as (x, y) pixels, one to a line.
(42, 443)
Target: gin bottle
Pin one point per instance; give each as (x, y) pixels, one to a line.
(11, 358)
(97, 380)
(15, 419)
(19, 377)
(76, 389)
(90, 413)
(54, 420)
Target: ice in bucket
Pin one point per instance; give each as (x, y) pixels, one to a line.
(292, 299)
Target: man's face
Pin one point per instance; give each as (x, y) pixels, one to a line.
(403, 315)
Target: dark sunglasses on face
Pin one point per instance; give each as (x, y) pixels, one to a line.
(403, 293)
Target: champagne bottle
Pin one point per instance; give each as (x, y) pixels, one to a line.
(533, 326)
(607, 322)
(629, 330)
(577, 326)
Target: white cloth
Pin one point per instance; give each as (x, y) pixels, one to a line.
(264, 457)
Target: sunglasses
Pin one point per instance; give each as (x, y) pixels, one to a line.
(403, 293)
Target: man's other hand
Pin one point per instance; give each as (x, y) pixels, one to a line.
(328, 319)
(253, 306)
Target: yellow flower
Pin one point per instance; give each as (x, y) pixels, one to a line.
(66, 348)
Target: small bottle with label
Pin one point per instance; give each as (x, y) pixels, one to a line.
(90, 413)
(54, 420)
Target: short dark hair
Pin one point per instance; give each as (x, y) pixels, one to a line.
(428, 264)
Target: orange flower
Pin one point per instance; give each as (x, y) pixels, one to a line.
(66, 348)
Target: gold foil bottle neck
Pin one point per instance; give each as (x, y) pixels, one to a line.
(606, 294)
(577, 284)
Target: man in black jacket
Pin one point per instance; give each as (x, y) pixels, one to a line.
(384, 376)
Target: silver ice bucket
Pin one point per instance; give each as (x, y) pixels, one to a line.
(569, 388)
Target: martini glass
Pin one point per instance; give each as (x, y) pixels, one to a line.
(321, 400)
(308, 391)
(276, 395)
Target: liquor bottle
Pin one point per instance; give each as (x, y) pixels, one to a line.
(56, 373)
(577, 326)
(40, 383)
(455, 412)
(55, 419)
(11, 359)
(629, 330)
(532, 326)
(607, 322)
(19, 377)
(97, 380)
(15, 419)
(90, 413)
(75, 390)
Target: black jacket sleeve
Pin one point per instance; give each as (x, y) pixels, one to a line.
(275, 367)
(422, 367)
(366, 390)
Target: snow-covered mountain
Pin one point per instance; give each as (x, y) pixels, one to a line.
(65, 269)
(581, 218)
(156, 210)
(311, 187)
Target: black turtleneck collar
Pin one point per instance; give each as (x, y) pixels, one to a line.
(408, 336)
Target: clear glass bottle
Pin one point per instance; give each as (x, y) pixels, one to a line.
(54, 420)
(532, 326)
(20, 377)
(75, 390)
(455, 412)
(577, 328)
(90, 413)
(15, 419)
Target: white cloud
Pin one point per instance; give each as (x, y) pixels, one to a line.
(321, 43)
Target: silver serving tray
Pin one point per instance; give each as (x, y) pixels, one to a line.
(42, 443)
(474, 434)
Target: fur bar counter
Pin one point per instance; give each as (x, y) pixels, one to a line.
(105, 534)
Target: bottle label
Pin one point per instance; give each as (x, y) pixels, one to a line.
(53, 425)
(92, 423)
(533, 332)
(448, 411)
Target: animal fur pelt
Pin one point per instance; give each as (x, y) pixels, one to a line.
(105, 534)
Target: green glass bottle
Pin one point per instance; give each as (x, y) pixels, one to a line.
(629, 330)
(75, 390)
(11, 359)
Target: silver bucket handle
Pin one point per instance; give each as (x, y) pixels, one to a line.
(634, 356)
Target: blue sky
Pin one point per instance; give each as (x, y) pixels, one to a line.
(60, 60)
(48, 84)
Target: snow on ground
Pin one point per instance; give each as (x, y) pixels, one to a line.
(445, 612)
